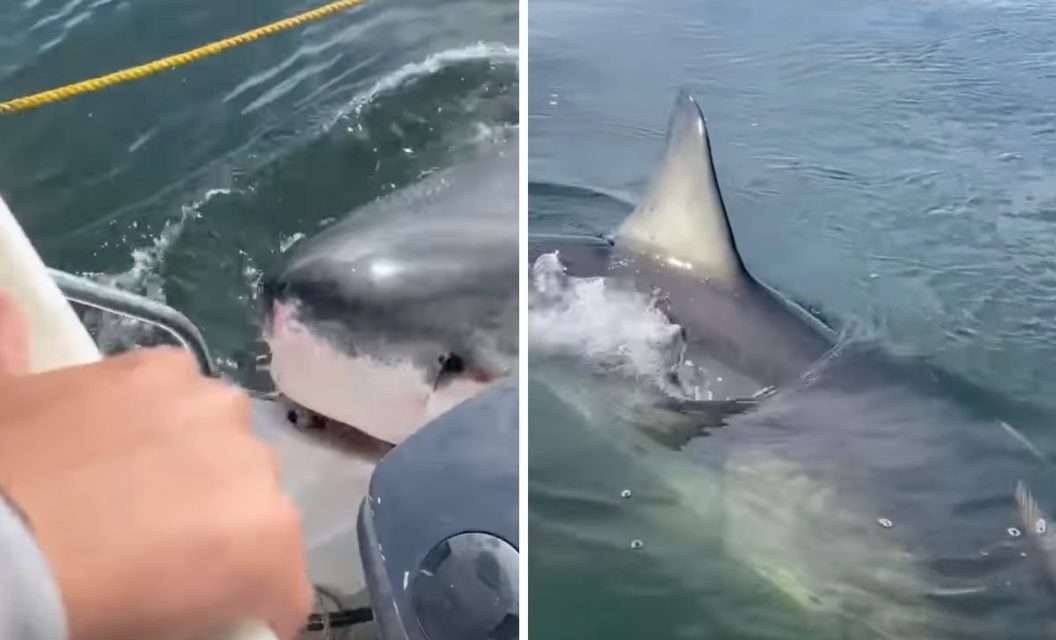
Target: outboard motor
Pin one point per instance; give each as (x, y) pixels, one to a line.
(438, 529)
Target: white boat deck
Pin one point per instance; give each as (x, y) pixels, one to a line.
(328, 476)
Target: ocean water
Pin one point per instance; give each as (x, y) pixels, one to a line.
(190, 184)
(890, 166)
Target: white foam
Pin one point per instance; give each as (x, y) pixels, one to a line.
(488, 132)
(431, 64)
(286, 243)
(611, 327)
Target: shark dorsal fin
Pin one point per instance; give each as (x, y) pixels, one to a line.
(681, 219)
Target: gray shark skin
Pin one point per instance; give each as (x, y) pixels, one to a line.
(849, 481)
(405, 307)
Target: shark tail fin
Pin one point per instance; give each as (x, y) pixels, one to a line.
(682, 219)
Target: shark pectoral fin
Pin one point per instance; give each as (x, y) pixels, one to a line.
(682, 219)
(696, 418)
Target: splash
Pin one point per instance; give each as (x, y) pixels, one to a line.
(613, 328)
(286, 243)
(490, 133)
(115, 333)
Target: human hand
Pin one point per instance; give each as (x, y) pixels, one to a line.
(14, 338)
(160, 514)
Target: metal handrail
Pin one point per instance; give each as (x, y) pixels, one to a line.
(92, 294)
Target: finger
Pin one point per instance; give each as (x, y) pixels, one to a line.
(295, 610)
(264, 457)
(275, 464)
(161, 362)
(219, 409)
(237, 405)
(14, 338)
(293, 593)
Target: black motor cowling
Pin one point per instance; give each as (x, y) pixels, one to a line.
(438, 529)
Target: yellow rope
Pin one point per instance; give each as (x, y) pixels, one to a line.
(171, 62)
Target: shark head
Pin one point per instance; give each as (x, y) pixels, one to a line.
(407, 307)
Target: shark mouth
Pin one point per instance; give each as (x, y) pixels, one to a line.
(343, 435)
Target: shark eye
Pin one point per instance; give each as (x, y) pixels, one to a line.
(451, 364)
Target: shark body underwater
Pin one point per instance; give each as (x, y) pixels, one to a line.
(848, 482)
(406, 307)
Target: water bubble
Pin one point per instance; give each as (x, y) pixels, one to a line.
(1041, 526)
(1014, 532)
(637, 544)
(626, 493)
(885, 523)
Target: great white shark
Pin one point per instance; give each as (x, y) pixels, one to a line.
(847, 480)
(407, 306)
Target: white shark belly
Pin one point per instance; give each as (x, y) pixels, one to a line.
(387, 399)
